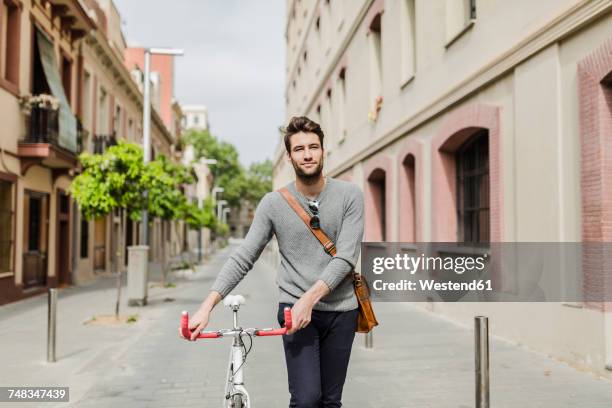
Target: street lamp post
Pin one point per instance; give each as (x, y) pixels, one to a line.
(146, 121)
(138, 259)
(216, 190)
(220, 205)
(206, 161)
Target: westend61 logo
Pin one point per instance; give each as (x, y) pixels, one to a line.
(490, 272)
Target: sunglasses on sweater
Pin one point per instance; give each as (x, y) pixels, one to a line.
(313, 206)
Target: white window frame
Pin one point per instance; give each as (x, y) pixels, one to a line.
(459, 19)
(408, 40)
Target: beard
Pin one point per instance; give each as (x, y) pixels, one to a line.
(308, 176)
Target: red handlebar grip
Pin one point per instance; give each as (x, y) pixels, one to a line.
(185, 325)
(275, 332)
(288, 322)
(187, 333)
(282, 330)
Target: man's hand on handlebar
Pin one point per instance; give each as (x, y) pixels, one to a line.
(302, 309)
(197, 323)
(199, 320)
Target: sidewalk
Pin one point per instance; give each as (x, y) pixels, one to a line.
(422, 360)
(83, 352)
(418, 360)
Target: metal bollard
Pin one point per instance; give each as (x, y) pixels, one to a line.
(51, 324)
(481, 336)
(369, 340)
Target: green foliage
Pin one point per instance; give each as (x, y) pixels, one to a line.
(118, 179)
(222, 229)
(111, 180)
(237, 183)
(258, 181)
(207, 145)
(163, 180)
(197, 218)
(227, 172)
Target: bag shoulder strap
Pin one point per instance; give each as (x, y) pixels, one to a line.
(328, 244)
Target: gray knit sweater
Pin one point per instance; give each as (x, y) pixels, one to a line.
(303, 259)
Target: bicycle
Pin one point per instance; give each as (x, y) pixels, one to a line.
(236, 395)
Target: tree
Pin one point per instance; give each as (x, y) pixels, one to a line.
(239, 185)
(118, 179)
(222, 229)
(227, 172)
(166, 200)
(163, 180)
(258, 180)
(109, 181)
(200, 217)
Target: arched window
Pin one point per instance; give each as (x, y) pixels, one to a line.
(473, 203)
(467, 193)
(376, 182)
(408, 202)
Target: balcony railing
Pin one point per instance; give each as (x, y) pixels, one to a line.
(43, 126)
(103, 142)
(41, 143)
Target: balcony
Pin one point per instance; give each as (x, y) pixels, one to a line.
(43, 126)
(40, 146)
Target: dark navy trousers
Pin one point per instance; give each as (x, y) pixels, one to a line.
(317, 358)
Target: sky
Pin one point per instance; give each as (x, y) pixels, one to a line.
(234, 62)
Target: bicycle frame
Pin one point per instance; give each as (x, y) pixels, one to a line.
(234, 384)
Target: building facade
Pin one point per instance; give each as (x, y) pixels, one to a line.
(39, 143)
(64, 89)
(168, 238)
(422, 102)
(196, 117)
(198, 242)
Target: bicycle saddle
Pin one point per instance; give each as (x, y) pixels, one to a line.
(234, 300)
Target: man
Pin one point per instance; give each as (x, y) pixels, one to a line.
(317, 287)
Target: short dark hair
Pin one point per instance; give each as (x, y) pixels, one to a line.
(299, 124)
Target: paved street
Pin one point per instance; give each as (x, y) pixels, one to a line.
(419, 359)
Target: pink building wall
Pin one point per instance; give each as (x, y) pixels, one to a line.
(595, 93)
(410, 215)
(164, 64)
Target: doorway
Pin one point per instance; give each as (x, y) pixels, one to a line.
(35, 238)
(100, 245)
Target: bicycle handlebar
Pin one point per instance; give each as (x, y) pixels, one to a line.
(216, 334)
